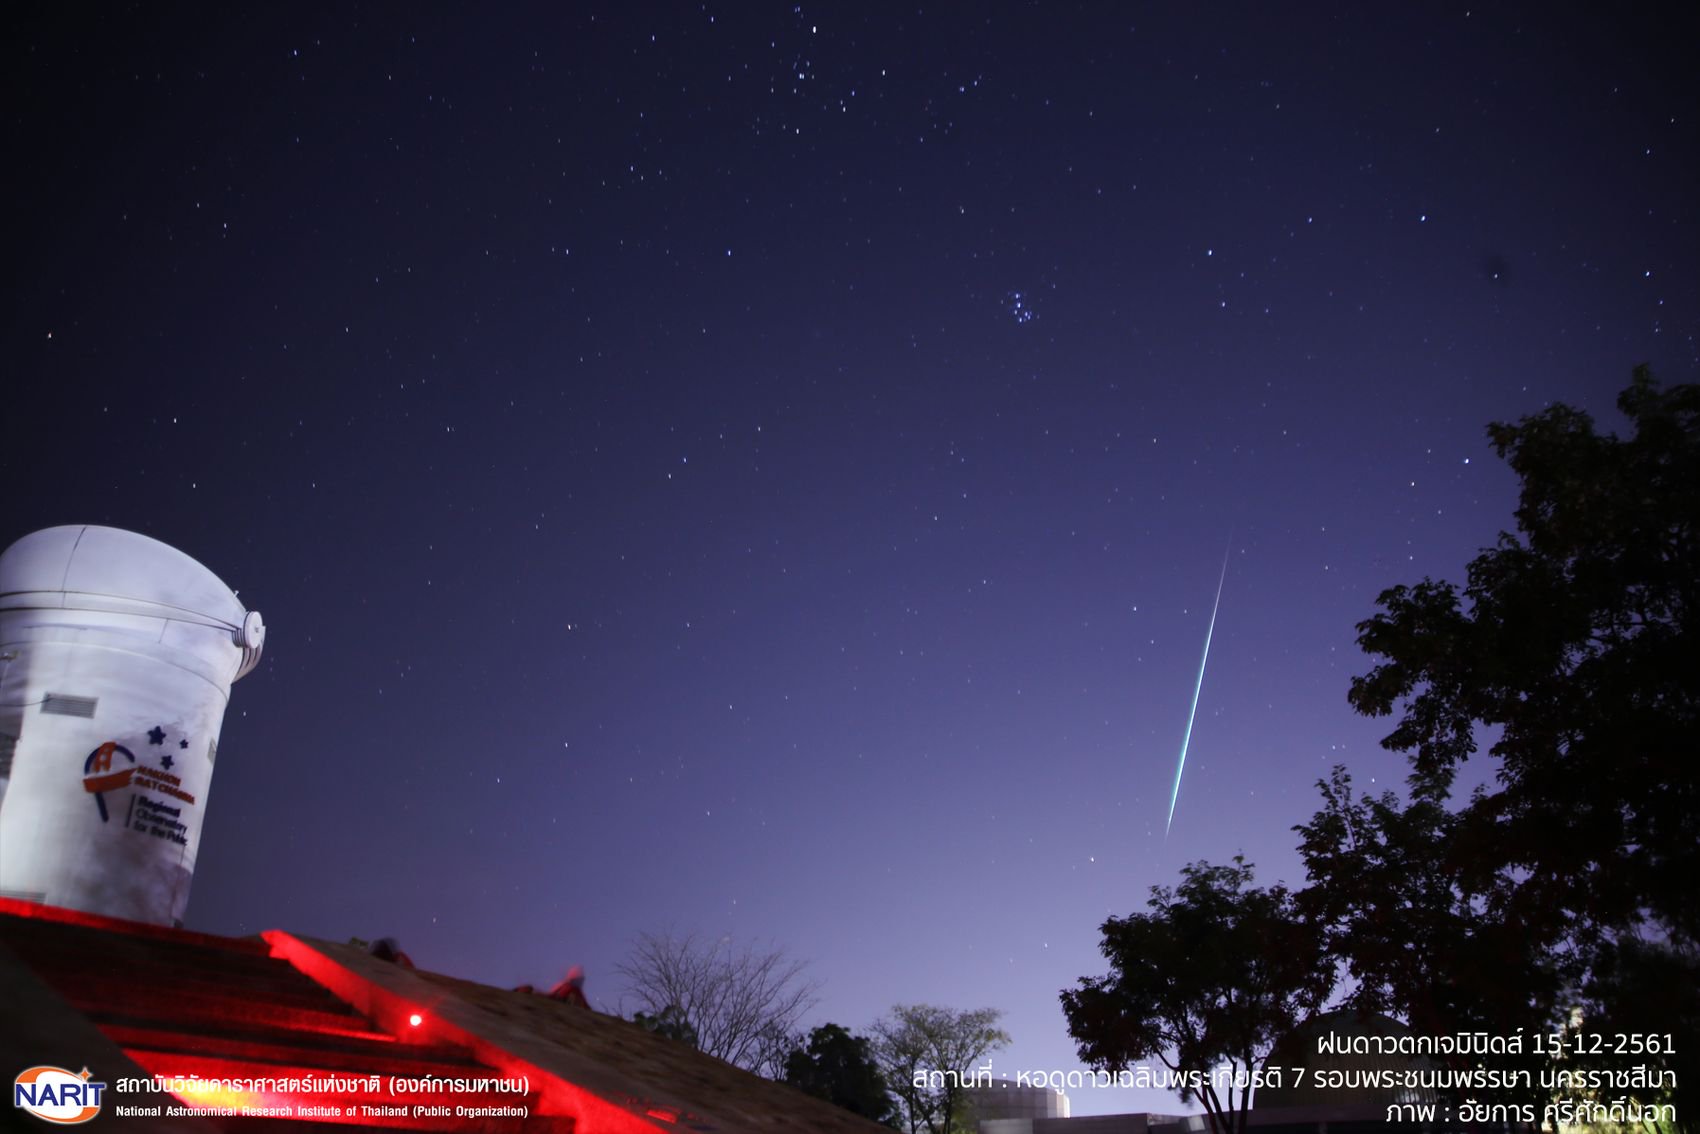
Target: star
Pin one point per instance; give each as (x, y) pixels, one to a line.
(165, 761)
(156, 735)
(182, 744)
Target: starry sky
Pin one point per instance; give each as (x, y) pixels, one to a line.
(763, 471)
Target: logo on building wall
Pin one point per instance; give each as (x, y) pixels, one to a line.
(98, 776)
(157, 798)
(56, 1095)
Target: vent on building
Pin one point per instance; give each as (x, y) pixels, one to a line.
(67, 706)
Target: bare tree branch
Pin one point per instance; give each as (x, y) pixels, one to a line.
(744, 1003)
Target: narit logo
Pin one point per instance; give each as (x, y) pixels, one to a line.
(54, 1094)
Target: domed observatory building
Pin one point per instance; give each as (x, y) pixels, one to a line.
(117, 654)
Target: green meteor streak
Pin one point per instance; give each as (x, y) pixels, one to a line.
(1196, 689)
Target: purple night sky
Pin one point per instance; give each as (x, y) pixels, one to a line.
(763, 470)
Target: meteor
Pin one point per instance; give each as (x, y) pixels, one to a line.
(1196, 689)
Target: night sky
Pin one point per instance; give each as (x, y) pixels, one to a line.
(764, 471)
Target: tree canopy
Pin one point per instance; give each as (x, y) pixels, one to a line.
(1414, 918)
(839, 1067)
(1212, 977)
(1563, 894)
(1573, 642)
(928, 1056)
(1424, 929)
(1640, 987)
(669, 1023)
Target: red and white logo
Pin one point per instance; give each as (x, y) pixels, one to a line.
(56, 1095)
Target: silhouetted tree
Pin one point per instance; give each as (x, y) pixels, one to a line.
(1422, 925)
(840, 1068)
(1211, 978)
(1571, 650)
(670, 1022)
(1574, 642)
(735, 999)
(929, 1056)
(1648, 989)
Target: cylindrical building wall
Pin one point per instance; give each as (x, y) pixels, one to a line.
(117, 654)
(1002, 1100)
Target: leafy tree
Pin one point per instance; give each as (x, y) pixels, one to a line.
(1404, 905)
(1401, 898)
(671, 1023)
(1574, 642)
(1212, 977)
(928, 1056)
(1571, 652)
(740, 1003)
(1648, 988)
(840, 1068)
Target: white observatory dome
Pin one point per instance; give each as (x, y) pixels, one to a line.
(117, 653)
(90, 569)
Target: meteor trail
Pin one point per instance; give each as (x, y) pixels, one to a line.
(1196, 689)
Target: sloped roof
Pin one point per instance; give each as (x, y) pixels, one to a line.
(134, 1002)
(676, 1086)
